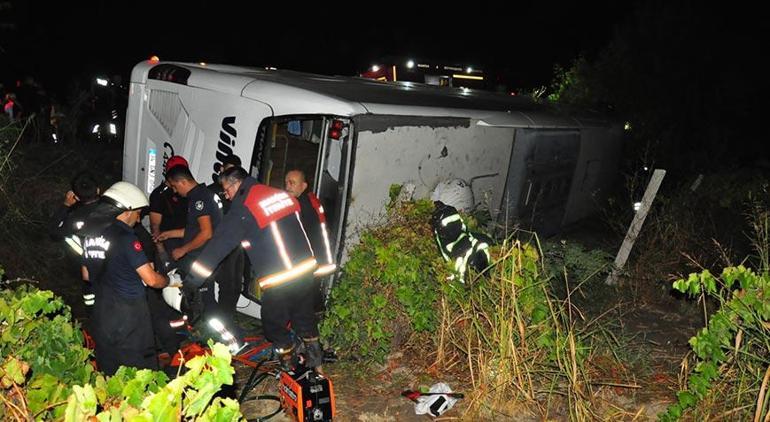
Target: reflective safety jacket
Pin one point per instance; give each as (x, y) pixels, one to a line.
(265, 222)
(456, 243)
(314, 221)
(67, 222)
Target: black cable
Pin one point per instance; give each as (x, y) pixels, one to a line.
(254, 380)
(271, 415)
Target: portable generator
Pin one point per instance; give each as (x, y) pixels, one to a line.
(306, 395)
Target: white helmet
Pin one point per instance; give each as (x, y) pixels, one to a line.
(455, 193)
(126, 196)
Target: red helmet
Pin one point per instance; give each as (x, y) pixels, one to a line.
(176, 160)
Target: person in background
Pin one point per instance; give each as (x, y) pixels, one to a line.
(168, 210)
(70, 217)
(314, 221)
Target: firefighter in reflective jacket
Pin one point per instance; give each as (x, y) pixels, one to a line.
(114, 261)
(70, 217)
(265, 222)
(456, 243)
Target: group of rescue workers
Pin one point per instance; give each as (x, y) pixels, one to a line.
(214, 243)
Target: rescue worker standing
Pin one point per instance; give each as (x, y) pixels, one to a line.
(204, 212)
(114, 261)
(230, 273)
(314, 221)
(70, 217)
(265, 222)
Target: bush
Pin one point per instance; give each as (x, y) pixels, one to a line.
(731, 353)
(388, 292)
(46, 373)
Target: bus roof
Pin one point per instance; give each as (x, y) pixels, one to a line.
(289, 92)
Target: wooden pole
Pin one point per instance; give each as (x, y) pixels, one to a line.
(636, 226)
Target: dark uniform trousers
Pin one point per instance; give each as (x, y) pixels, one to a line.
(123, 332)
(229, 276)
(291, 301)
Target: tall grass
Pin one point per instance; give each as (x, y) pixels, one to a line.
(518, 344)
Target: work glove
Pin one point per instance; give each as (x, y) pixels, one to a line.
(192, 303)
(174, 278)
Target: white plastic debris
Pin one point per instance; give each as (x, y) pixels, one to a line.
(433, 403)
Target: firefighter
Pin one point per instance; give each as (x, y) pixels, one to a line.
(70, 217)
(458, 244)
(265, 222)
(230, 273)
(314, 221)
(114, 261)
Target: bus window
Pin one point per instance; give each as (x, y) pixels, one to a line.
(287, 144)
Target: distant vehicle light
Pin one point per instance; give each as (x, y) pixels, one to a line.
(469, 70)
(375, 68)
(102, 81)
(202, 63)
(627, 126)
(95, 129)
(54, 137)
(154, 59)
(410, 64)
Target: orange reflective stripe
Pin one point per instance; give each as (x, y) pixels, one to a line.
(324, 270)
(283, 276)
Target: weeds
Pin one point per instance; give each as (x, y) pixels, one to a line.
(518, 345)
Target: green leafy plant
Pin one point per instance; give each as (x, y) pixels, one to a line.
(46, 373)
(144, 395)
(736, 337)
(35, 328)
(388, 291)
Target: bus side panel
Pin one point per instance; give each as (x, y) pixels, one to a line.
(166, 119)
(132, 140)
(220, 125)
(423, 151)
(597, 167)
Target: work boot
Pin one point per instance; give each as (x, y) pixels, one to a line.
(314, 354)
(286, 358)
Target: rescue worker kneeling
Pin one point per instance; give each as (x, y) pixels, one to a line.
(114, 261)
(456, 243)
(265, 222)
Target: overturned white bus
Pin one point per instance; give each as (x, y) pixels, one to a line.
(355, 137)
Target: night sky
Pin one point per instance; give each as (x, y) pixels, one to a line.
(58, 41)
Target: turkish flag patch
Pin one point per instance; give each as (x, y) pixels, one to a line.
(137, 246)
